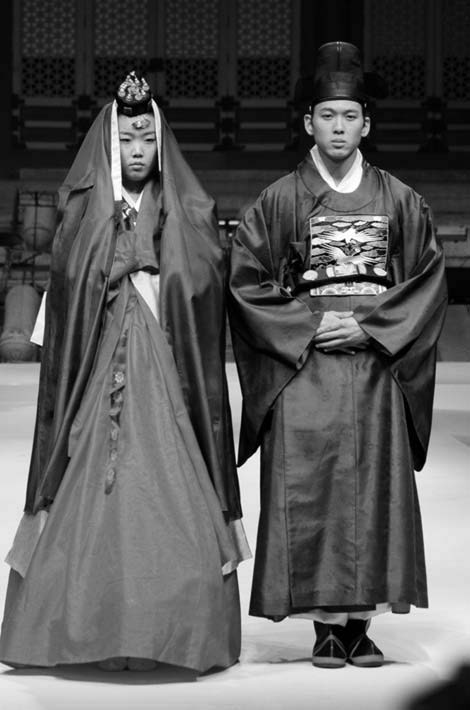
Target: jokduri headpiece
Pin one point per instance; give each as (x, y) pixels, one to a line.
(133, 96)
(339, 74)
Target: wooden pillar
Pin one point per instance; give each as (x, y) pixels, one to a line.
(6, 72)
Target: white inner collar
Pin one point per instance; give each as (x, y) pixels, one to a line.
(131, 201)
(350, 181)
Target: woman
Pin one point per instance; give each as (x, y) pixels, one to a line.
(127, 551)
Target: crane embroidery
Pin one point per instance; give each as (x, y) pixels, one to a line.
(349, 244)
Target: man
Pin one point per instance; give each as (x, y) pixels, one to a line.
(338, 297)
(127, 551)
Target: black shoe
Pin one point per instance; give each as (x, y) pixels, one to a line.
(329, 651)
(361, 650)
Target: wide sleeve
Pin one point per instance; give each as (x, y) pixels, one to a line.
(271, 329)
(398, 316)
(405, 322)
(264, 312)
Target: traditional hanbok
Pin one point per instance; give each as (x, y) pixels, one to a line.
(131, 536)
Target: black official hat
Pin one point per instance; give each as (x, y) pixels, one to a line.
(339, 74)
(133, 96)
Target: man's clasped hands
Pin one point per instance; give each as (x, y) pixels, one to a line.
(340, 331)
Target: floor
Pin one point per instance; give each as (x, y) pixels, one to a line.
(421, 649)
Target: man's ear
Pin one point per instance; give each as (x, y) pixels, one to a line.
(366, 127)
(308, 124)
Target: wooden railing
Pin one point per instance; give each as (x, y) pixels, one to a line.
(228, 124)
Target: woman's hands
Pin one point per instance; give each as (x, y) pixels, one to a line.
(339, 331)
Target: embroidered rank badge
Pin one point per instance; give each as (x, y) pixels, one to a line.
(348, 254)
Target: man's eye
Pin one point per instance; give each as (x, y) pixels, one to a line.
(124, 140)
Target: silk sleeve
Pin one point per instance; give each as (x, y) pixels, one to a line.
(264, 313)
(401, 314)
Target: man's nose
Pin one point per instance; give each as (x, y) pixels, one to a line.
(338, 125)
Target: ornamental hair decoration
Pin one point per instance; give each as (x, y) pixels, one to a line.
(133, 96)
(141, 123)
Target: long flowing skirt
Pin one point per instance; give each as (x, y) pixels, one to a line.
(131, 559)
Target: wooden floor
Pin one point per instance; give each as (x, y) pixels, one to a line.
(275, 672)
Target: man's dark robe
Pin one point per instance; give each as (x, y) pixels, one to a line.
(192, 306)
(339, 434)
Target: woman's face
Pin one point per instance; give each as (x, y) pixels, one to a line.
(138, 148)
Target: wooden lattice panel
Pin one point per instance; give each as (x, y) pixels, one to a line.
(264, 39)
(121, 40)
(121, 27)
(264, 28)
(456, 50)
(191, 48)
(191, 29)
(397, 41)
(48, 44)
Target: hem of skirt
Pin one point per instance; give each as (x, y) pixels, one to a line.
(187, 665)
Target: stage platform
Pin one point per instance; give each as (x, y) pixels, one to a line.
(275, 672)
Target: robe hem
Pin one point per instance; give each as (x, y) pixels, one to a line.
(284, 614)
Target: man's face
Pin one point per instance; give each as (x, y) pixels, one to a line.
(138, 147)
(337, 127)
